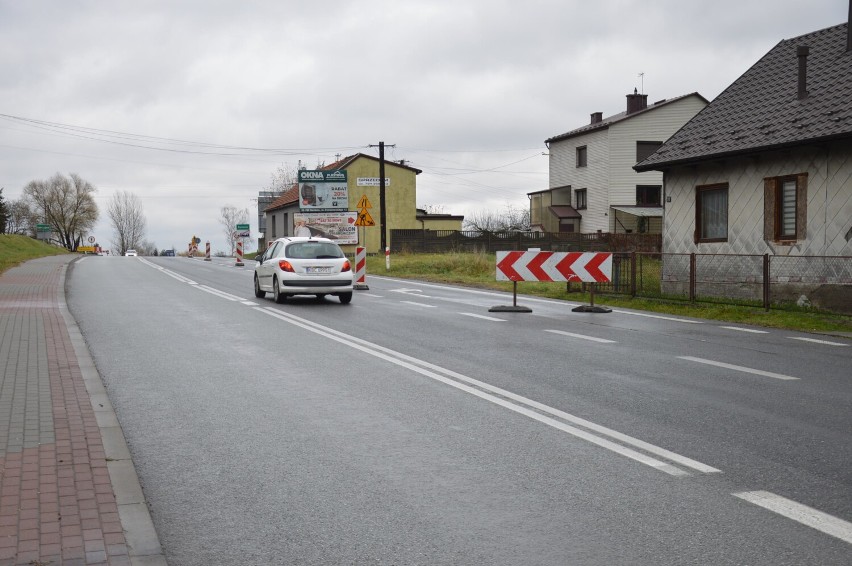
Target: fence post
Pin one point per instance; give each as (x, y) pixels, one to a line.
(633, 274)
(692, 277)
(766, 298)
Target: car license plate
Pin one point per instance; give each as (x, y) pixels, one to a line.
(317, 270)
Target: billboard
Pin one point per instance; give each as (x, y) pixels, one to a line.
(338, 226)
(322, 191)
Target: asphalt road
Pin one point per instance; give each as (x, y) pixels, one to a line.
(414, 426)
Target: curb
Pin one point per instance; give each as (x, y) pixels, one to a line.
(142, 541)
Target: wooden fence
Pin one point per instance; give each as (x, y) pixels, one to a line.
(441, 241)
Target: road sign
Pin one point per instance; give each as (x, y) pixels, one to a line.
(586, 267)
(243, 227)
(364, 203)
(44, 228)
(91, 239)
(364, 219)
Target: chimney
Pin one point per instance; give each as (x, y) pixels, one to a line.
(637, 102)
(597, 117)
(802, 53)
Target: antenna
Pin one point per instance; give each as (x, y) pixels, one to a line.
(642, 78)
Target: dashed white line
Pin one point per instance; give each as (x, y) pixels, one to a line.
(817, 341)
(739, 368)
(483, 317)
(659, 316)
(800, 513)
(424, 305)
(739, 329)
(582, 336)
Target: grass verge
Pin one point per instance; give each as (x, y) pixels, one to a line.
(15, 249)
(478, 270)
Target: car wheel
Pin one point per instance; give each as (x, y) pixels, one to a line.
(345, 298)
(276, 292)
(257, 292)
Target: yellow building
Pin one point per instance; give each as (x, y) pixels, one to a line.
(363, 188)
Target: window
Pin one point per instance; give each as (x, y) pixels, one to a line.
(567, 225)
(785, 227)
(581, 156)
(784, 208)
(581, 198)
(644, 149)
(711, 213)
(648, 195)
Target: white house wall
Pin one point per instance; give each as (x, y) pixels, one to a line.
(594, 177)
(829, 202)
(609, 177)
(657, 125)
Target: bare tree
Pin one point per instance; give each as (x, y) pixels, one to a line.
(283, 178)
(20, 219)
(4, 212)
(128, 221)
(230, 217)
(512, 218)
(67, 204)
(432, 208)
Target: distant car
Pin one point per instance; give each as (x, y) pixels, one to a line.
(303, 266)
(130, 253)
(168, 253)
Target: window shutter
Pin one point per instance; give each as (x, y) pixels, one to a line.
(802, 206)
(769, 209)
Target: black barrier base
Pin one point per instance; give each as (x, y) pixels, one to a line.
(509, 308)
(591, 308)
(514, 307)
(361, 287)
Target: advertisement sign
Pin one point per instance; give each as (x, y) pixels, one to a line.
(337, 226)
(323, 191)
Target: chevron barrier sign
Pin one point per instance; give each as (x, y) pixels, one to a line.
(584, 267)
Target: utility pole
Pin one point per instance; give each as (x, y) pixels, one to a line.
(382, 207)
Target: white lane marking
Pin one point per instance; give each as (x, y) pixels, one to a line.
(219, 293)
(582, 336)
(483, 317)
(737, 328)
(739, 368)
(501, 397)
(659, 316)
(419, 304)
(816, 341)
(800, 513)
(416, 292)
(371, 295)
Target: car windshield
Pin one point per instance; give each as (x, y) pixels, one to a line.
(313, 250)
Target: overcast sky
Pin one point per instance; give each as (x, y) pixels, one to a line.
(466, 90)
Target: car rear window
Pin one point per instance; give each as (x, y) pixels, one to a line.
(313, 250)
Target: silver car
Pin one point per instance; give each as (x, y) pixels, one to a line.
(303, 266)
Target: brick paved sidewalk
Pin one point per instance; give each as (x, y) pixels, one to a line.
(68, 490)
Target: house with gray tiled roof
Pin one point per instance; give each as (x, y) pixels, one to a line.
(766, 167)
(362, 170)
(592, 184)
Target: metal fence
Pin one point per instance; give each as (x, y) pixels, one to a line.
(769, 281)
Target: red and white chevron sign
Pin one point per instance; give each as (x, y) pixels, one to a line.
(586, 267)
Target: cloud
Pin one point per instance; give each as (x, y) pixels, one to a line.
(467, 90)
